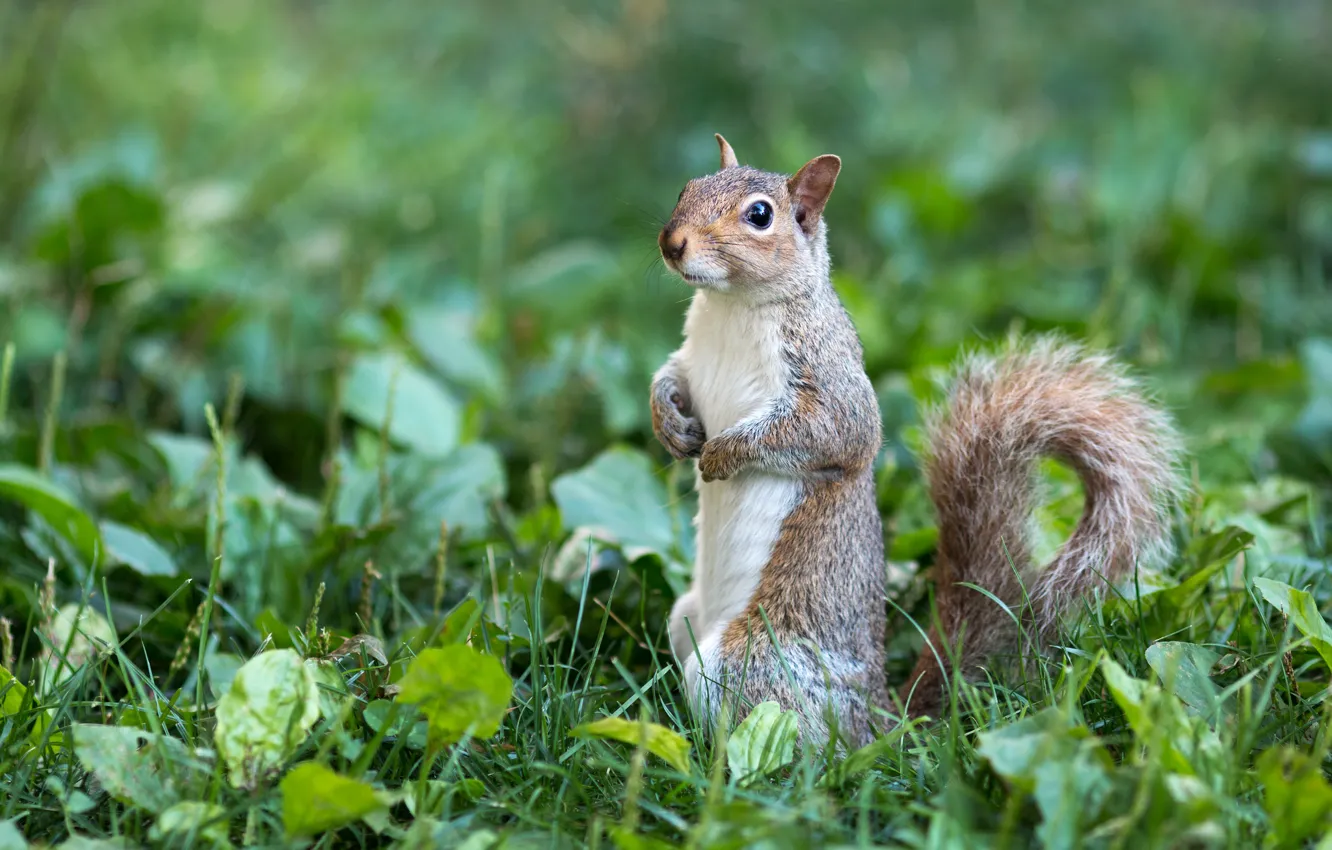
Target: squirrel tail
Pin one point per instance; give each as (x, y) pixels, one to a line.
(1049, 398)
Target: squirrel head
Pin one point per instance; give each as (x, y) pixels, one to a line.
(741, 229)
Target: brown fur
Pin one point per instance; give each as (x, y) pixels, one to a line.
(1004, 413)
(822, 588)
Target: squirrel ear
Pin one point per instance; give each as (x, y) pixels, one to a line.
(810, 189)
(728, 159)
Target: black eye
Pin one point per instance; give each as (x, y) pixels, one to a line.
(759, 214)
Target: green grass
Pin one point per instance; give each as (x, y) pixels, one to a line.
(329, 337)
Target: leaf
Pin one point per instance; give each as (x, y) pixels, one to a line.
(459, 488)
(12, 698)
(203, 823)
(10, 837)
(618, 495)
(425, 417)
(1296, 794)
(77, 633)
(457, 689)
(1060, 763)
(330, 685)
(265, 716)
(1220, 547)
(1303, 612)
(445, 339)
(49, 501)
(1191, 748)
(667, 745)
(136, 550)
(139, 768)
(315, 800)
(406, 725)
(765, 742)
(1186, 667)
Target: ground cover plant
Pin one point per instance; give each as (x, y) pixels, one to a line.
(329, 509)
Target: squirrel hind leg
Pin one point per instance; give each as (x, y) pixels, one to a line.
(824, 693)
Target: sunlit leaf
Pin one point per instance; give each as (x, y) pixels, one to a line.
(1303, 612)
(457, 689)
(765, 742)
(669, 746)
(271, 706)
(315, 800)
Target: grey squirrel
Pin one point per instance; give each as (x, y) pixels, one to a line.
(769, 393)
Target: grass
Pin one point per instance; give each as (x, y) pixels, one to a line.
(329, 510)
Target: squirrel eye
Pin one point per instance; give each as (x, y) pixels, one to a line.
(759, 214)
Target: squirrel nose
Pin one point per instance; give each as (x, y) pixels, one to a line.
(670, 248)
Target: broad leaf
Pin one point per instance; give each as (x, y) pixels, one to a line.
(192, 823)
(1296, 795)
(138, 768)
(53, 504)
(665, 744)
(315, 800)
(1185, 667)
(457, 689)
(10, 837)
(136, 550)
(265, 716)
(77, 633)
(618, 496)
(1060, 763)
(763, 743)
(1303, 612)
(425, 417)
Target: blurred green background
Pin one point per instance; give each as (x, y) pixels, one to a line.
(458, 201)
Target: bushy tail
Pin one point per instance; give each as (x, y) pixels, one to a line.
(1004, 413)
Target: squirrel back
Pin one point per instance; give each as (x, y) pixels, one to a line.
(1005, 412)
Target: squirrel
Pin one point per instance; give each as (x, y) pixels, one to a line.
(769, 394)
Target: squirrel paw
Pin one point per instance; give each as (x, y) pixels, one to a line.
(680, 433)
(719, 459)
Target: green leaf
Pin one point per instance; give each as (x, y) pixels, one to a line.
(1190, 747)
(53, 504)
(192, 822)
(457, 689)
(669, 746)
(1186, 667)
(1220, 547)
(12, 698)
(407, 724)
(618, 496)
(425, 417)
(10, 837)
(1296, 795)
(315, 800)
(78, 633)
(265, 716)
(1060, 763)
(1303, 612)
(136, 550)
(138, 768)
(764, 743)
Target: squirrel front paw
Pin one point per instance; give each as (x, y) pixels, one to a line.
(720, 459)
(681, 434)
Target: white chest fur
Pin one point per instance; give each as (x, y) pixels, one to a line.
(732, 360)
